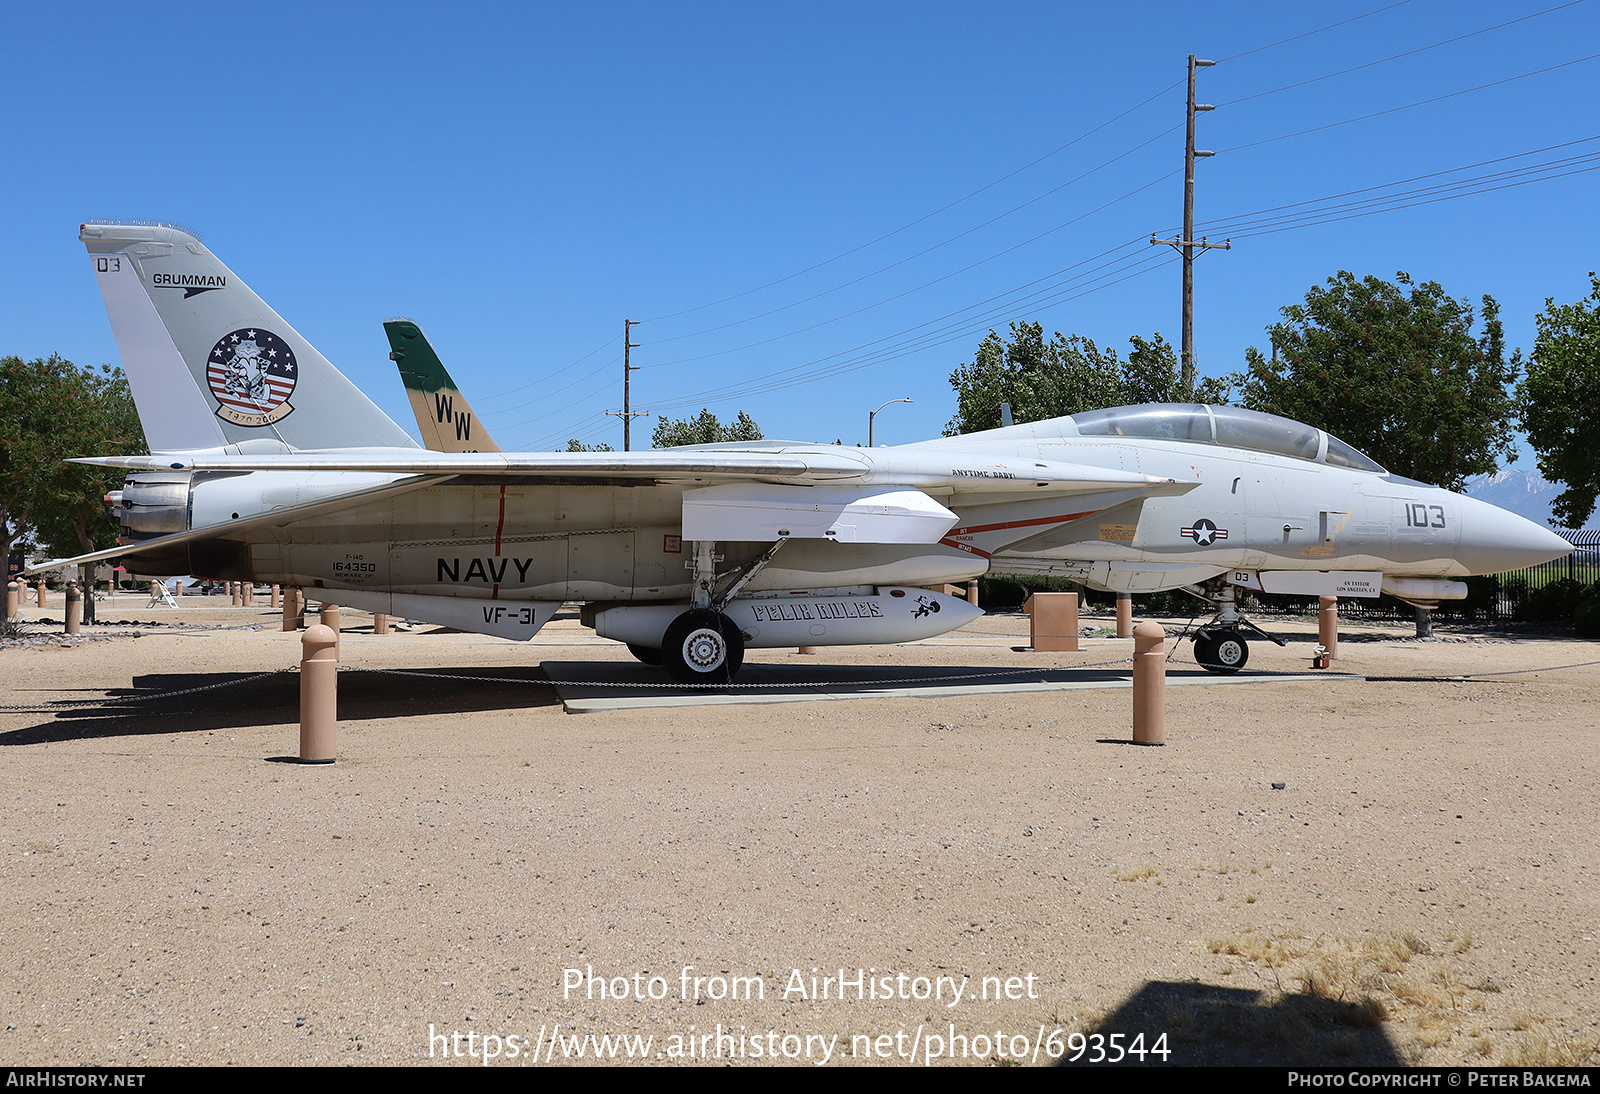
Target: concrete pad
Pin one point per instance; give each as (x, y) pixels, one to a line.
(588, 687)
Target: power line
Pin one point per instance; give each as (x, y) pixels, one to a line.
(1308, 218)
(1503, 181)
(1319, 30)
(1409, 106)
(1058, 293)
(888, 355)
(1031, 201)
(1398, 56)
(1313, 211)
(547, 377)
(1011, 174)
(936, 212)
(935, 281)
(1211, 225)
(1086, 174)
(589, 395)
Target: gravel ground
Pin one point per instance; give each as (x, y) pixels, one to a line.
(1422, 889)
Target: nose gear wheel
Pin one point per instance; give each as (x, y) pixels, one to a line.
(1223, 651)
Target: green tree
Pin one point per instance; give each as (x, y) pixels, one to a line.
(1396, 370)
(703, 429)
(1559, 403)
(576, 445)
(1048, 378)
(50, 411)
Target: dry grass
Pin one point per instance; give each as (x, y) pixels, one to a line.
(1430, 1010)
(1144, 873)
(1535, 1050)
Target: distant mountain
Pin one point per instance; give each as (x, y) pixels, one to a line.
(1526, 493)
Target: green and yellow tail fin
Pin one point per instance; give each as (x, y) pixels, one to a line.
(443, 414)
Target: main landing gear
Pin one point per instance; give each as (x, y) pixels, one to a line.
(704, 646)
(1220, 645)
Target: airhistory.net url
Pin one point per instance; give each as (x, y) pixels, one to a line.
(918, 1046)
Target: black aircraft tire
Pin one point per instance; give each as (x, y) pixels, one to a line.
(1221, 651)
(649, 655)
(702, 647)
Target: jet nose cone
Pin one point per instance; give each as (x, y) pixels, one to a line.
(1493, 540)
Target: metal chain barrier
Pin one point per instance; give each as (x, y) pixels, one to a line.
(61, 704)
(736, 687)
(65, 704)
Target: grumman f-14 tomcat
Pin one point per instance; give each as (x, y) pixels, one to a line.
(268, 465)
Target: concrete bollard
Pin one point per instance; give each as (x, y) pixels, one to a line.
(1124, 615)
(249, 588)
(972, 592)
(1053, 622)
(330, 619)
(291, 611)
(276, 592)
(74, 607)
(1149, 684)
(1328, 625)
(319, 695)
(177, 586)
(40, 597)
(806, 649)
(12, 607)
(380, 623)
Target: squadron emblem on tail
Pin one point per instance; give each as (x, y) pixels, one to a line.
(252, 373)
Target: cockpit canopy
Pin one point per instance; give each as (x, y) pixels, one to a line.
(1232, 426)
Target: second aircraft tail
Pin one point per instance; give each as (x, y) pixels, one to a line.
(446, 421)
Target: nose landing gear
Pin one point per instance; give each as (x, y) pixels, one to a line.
(1219, 646)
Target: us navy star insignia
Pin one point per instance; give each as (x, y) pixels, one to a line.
(1204, 533)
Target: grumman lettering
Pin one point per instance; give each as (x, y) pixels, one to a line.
(490, 571)
(189, 280)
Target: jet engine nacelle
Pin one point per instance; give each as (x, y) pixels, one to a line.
(153, 504)
(159, 503)
(839, 617)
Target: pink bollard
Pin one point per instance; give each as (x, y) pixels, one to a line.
(1149, 684)
(319, 695)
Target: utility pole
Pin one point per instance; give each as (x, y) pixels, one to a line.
(1187, 244)
(627, 413)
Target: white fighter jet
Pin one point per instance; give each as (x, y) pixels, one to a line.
(267, 464)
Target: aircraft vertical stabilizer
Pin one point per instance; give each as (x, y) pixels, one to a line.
(210, 364)
(446, 421)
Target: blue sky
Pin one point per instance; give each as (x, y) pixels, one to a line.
(519, 179)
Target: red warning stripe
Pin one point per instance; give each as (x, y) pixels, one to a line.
(974, 529)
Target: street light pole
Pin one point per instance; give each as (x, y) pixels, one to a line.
(874, 414)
